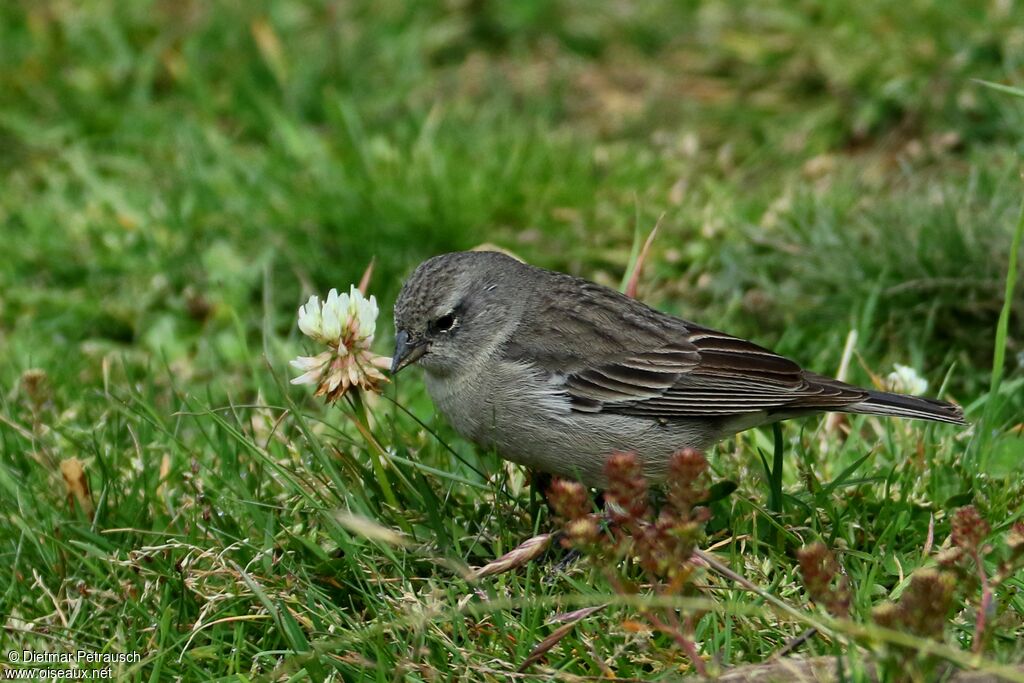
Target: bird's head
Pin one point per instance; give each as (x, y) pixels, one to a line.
(455, 309)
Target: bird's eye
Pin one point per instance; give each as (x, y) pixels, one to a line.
(444, 323)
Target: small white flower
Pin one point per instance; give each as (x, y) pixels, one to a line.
(312, 366)
(905, 380)
(310, 320)
(364, 312)
(346, 323)
(333, 312)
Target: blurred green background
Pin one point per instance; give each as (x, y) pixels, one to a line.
(177, 176)
(172, 170)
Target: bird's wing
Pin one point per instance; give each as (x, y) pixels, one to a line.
(703, 373)
(617, 355)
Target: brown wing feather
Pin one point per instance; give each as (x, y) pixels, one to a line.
(706, 373)
(637, 360)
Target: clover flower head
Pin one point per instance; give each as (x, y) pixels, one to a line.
(905, 380)
(345, 323)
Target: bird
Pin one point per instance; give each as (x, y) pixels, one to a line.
(557, 373)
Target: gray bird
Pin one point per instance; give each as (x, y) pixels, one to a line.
(556, 373)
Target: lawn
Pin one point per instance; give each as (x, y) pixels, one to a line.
(176, 178)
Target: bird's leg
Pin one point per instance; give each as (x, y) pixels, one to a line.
(540, 485)
(557, 557)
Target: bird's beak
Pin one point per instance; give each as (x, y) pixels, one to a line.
(407, 351)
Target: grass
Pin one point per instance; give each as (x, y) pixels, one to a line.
(178, 177)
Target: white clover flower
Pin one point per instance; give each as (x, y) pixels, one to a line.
(905, 380)
(310, 320)
(346, 324)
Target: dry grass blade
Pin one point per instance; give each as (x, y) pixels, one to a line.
(544, 646)
(490, 246)
(371, 530)
(364, 281)
(634, 277)
(526, 551)
(576, 614)
(834, 421)
(271, 48)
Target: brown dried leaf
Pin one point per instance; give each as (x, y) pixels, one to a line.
(526, 551)
(634, 626)
(76, 484)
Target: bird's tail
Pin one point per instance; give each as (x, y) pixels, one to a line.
(899, 405)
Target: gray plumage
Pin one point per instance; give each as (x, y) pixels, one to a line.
(556, 372)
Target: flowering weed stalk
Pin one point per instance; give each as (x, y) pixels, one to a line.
(933, 592)
(661, 542)
(346, 325)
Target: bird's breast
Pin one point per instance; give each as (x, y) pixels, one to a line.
(496, 404)
(525, 415)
